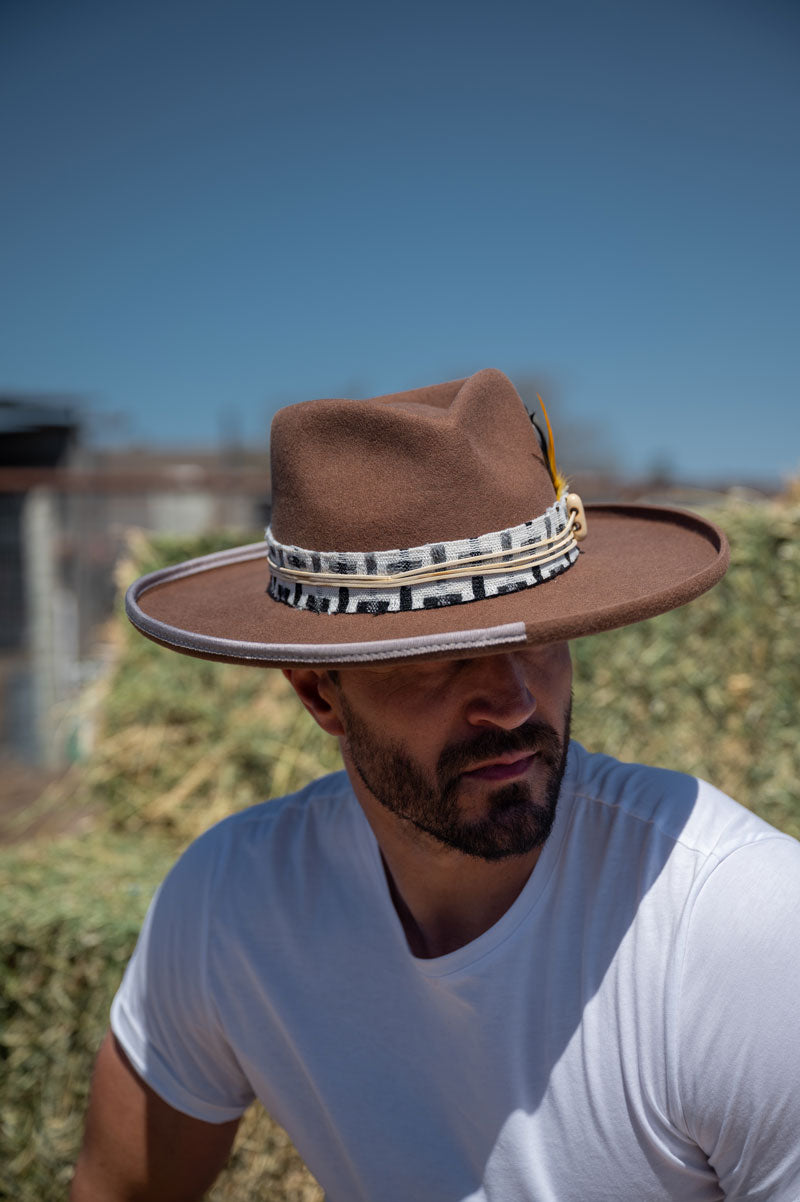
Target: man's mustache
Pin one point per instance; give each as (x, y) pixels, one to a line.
(534, 735)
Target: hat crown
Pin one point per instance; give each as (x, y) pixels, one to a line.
(447, 462)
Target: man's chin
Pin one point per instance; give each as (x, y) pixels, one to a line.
(517, 796)
(515, 827)
(491, 848)
(492, 801)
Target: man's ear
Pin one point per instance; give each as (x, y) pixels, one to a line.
(317, 692)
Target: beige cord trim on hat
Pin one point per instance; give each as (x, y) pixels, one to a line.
(430, 575)
(547, 551)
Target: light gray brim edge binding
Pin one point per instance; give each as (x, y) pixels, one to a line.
(296, 653)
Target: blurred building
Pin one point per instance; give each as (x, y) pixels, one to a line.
(66, 513)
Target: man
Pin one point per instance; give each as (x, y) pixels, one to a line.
(480, 963)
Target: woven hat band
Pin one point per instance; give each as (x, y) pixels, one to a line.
(428, 576)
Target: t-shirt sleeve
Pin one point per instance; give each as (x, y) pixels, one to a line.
(738, 1062)
(163, 1014)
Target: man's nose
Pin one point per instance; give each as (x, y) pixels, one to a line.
(500, 695)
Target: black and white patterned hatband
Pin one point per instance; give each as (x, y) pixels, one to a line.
(430, 576)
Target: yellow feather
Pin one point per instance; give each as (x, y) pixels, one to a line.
(560, 483)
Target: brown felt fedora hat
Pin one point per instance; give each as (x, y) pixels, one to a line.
(423, 524)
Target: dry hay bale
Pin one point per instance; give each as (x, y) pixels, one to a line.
(70, 911)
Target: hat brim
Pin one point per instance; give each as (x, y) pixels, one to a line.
(636, 562)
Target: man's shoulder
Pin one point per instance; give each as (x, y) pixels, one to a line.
(324, 796)
(276, 831)
(675, 805)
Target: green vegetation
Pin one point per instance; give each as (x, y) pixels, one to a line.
(710, 688)
(69, 916)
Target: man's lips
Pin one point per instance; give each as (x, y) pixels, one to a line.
(504, 767)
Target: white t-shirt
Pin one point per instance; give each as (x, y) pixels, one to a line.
(628, 1031)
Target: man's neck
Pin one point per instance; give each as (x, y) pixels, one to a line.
(443, 898)
(437, 922)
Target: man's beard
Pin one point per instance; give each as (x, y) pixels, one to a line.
(520, 816)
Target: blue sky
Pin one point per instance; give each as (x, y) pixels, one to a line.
(212, 209)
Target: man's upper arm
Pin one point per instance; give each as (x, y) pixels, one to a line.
(740, 1063)
(137, 1147)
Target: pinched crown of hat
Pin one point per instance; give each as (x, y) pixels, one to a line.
(446, 462)
(402, 503)
(424, 523)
